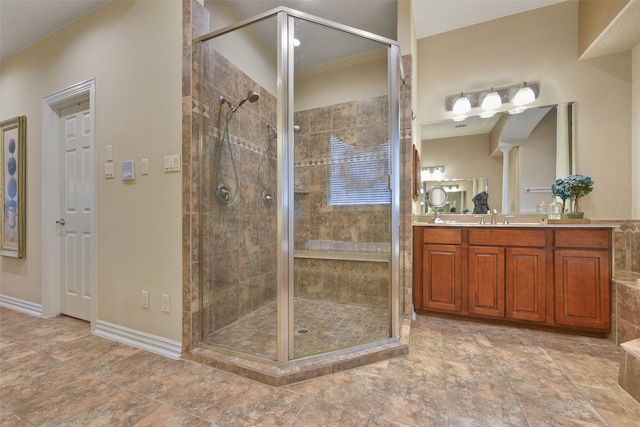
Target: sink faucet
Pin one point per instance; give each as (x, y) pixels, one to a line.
(494, 212)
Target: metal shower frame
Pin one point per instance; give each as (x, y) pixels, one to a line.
(285, 167)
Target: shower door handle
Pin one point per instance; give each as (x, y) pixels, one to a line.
(61, 221)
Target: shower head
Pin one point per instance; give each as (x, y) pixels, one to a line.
(252, 96)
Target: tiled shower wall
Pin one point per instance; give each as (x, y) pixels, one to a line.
(351, 282)
(361, 124)
(625, 290)
(406, 192)
(627, 245)
(239, 238)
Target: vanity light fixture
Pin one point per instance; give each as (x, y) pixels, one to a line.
(492, 101)
(430, 173)
(434, 169)
(462, 105)
(524, 96)
(489, 102)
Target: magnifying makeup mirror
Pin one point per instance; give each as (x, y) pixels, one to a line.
(437, 199)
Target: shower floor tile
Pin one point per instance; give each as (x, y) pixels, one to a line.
(320, 326)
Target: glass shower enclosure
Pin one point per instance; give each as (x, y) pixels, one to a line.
(299, 188)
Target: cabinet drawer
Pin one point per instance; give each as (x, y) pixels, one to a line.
(584, 238)
(445, 236)
(506, 237)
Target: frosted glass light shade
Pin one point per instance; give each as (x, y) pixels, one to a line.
(524, 96)
(462, 105)
(492, 101)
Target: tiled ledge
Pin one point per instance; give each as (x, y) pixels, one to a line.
(625, 306)
(629, 374)
(629, 278)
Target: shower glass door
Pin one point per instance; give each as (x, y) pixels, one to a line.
(238, 86)
(341, 201)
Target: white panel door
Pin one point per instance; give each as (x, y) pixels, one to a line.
(76, 166)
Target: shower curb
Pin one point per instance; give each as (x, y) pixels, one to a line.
(280, 374)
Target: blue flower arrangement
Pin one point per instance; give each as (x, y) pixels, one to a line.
(572, 187)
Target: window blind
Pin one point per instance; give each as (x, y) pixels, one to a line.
(358, 175)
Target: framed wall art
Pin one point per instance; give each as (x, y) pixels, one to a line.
(13, 133)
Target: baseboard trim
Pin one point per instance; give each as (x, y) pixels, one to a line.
(20, 305)
(153, 343)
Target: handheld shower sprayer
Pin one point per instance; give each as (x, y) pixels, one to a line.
(224, 193)
(252, 96)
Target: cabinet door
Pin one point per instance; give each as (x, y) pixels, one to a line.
(525, 284)
(441, 277)
(486, 281)
(582, 288)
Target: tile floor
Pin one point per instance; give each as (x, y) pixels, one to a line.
(330, 326)
(53, 372)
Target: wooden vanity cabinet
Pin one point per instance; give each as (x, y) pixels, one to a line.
(486, 281)
(507, 283)
(440, 270)
(507, 273)
(582, 265)
(525, 284)
(552, 278)
(442, 277)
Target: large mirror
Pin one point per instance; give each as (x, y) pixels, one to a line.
(511, 158)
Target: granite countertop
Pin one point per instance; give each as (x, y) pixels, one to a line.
(518, 220)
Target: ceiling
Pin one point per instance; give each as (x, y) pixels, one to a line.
(23, 22)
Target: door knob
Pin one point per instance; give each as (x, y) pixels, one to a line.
(60, 221)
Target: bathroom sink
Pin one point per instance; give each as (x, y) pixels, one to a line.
(483, 220)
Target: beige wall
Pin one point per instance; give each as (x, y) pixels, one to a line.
(541, 46)
(133, 51)
(357, 77)
(244, 47)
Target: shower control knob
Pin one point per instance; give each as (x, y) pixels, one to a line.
(267, 198)
(61, 221)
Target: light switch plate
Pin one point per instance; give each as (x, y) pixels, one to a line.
(109, 153)
(144, 165)
(128, 170)
(172, 163)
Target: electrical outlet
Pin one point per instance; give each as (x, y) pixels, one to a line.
(164, 302)
(108, 170)
(172, 163)
(144, 299)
